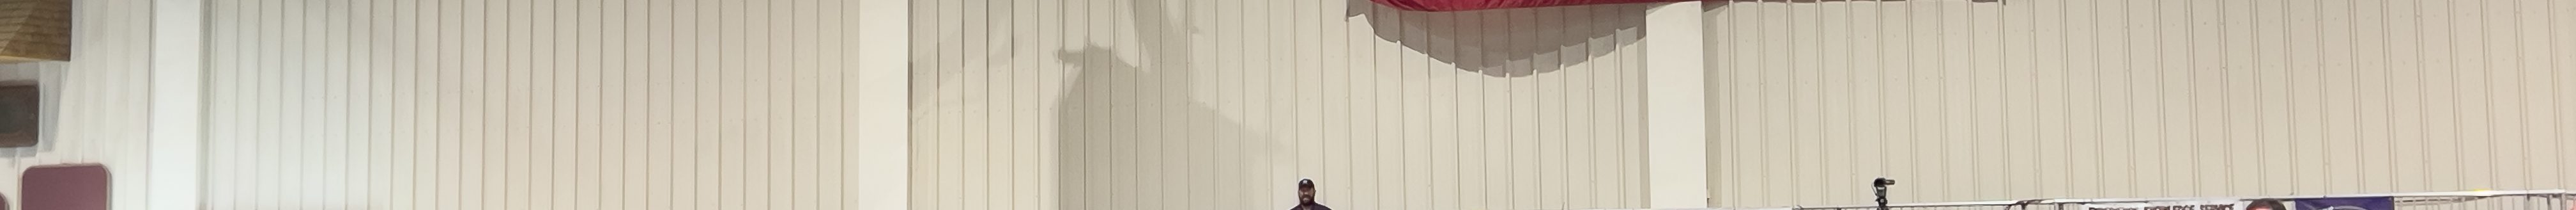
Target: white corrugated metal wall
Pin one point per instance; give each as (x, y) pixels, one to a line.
(2109, 98)
(1175, 104)
(1145, 104)
(95, 105)
(495, 104)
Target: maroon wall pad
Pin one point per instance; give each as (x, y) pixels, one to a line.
(65, 187)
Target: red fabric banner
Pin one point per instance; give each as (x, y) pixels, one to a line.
(1464, 5)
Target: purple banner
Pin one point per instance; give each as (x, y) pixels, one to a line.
(2377, 203)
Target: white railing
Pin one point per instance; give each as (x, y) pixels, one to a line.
(2480, 200)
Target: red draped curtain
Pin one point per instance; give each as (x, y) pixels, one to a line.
(1464, 5)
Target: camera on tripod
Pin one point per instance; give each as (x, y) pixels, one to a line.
(1880, 187)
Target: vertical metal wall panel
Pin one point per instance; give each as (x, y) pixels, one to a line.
(1153, 104)
(1967, 100)
(484, 104)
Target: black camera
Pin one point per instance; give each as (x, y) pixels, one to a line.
(1880, 186)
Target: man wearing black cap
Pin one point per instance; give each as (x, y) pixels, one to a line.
(1306, 196)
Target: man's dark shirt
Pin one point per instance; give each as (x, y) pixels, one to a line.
(1311, 206)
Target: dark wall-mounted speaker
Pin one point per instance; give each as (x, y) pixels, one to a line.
(20, 107)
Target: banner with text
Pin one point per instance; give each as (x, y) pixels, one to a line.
(2377, 203)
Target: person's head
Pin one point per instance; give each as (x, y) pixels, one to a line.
(1305, 190)
(2265, 204)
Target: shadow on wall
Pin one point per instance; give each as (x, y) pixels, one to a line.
(49, 107)
(1509, 42)
(1131, 135)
